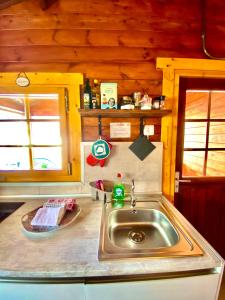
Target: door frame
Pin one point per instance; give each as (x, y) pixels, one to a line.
(173, 69)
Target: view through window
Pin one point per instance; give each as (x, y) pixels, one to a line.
(30, 132)
(204, 136)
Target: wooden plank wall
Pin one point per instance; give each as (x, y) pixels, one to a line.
(111, 40)
(90, 128)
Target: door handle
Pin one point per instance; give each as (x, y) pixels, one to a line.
(178, 180)
(184, 180)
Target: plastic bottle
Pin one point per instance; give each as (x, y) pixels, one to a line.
(118, 192)
(87, 94)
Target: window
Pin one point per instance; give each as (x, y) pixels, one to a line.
(33, 130)
(204, 135)
(31, 135)
(40, 128)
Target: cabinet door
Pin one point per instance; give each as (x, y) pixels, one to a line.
(188, 288)
(22, 291)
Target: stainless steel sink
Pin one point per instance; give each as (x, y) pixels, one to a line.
(149, 230)
(140, 229)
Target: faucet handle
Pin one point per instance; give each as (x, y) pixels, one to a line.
(133, 203)
(105, 199)
(132, 196)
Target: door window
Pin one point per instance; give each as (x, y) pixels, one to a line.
(204, 133)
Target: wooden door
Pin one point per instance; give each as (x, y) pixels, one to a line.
(200, 157)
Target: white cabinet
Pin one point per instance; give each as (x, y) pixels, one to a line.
(185, 288)
(29, 291)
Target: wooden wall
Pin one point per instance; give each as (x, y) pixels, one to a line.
(90, 128)
(112, 40)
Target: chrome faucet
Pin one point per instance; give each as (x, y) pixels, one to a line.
(132, 197)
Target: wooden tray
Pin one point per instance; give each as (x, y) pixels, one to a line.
(68, 218)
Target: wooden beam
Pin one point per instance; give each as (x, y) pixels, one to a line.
(6, 3)
(190, 64)
(45, 4)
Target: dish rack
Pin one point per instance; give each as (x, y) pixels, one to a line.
(98, 194)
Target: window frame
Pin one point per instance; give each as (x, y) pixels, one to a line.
(67, 86)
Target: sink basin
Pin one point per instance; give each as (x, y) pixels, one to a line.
(149, 230)
(140, 229)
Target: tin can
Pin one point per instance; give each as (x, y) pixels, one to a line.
(137, 98)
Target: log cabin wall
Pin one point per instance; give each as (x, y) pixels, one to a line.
(90, 128)
(111, 40)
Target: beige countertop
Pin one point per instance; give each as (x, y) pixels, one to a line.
(72, 252)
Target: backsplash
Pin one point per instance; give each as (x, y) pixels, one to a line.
(147, 173)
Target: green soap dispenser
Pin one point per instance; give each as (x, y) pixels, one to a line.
(118, 191)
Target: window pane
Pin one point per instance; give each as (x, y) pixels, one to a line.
(216, 163)
(193, 163)
(15, 133)
(47, 158)
(45, 133)
(14, 159)
(12, 106)
(44, 106)
(196, 104)
(217, 135)
(218, 105)
(195, 135)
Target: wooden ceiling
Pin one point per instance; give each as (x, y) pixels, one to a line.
(45, 4)
(112, 40)
(7, 3)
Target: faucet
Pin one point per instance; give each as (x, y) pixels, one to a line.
(132, 197)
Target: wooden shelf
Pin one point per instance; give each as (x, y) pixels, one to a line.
(118, 113)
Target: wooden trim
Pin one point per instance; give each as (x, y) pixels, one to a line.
(204, 149)
(204, 180)
(180, 125)
(173, 69)
(204, 120)
(190, 64)
(123, 113)
(52, 81)
(207, 134)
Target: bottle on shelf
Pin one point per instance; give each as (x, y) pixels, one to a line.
(118, 192)
(87, 94)
(96, 94)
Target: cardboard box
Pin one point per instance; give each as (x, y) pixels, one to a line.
(108, 95)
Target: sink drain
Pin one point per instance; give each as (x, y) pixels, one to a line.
(136, 236)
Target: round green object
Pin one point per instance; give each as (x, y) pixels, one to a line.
(100, 149)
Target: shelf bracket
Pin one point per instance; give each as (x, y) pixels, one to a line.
(100, 126)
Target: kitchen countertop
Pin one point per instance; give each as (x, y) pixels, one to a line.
(72, 252)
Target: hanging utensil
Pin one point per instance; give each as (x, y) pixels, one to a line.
(100, 148)
(142, 147)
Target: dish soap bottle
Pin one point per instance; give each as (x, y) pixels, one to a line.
(118, 192)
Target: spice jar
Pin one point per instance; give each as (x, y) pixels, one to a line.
(158, 102)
